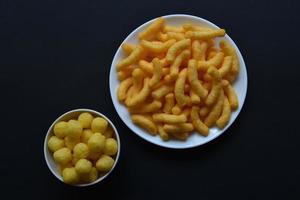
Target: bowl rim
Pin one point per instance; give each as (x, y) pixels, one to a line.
(241, 104)
(94, 112)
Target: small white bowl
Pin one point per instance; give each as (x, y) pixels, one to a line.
(65, 117)
(240, 86)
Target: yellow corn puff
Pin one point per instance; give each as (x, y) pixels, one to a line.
(162, 91)
(144, 122)
(196, 51)
(169, 118)
(195, 99)
(131, 59)
(124, 74)
(162, 36)
(211, 52)
(146, 108)
(175, 29)
(177, 62)
(198, 124)
(157, 72)
(215, 112)
(137, 78)
(123, 87)
(226, 66)
(203, 35)
(128, 48)
(141, 96)
(177, 47)
(176, 36)
(169, 103)
(232, 97)
(162, 133)
(152, 29)
(230, 51)
(194, 81)
(178, 128)
(180, 97)
(176, 110)
(214, 61)
(146, 66)
(216, 88)
(157, 47)
(225, 116)
(193, 27)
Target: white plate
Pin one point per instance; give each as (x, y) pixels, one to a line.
(195, 139)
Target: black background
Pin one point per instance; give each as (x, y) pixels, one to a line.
(56, 55)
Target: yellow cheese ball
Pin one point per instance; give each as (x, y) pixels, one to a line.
(70, 175)
(85, 119)
(83, 166)
(99, 125)
(105, 163)
(85, 136)
(91, 177)
(80, 150)
(109, 132)
(55, 143)
(111, 147)
(96, 143)
(71, 142)
(62, 156)
(60, 129)
(74, 129)
(60, 167)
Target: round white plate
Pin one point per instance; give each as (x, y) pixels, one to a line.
(240, 86)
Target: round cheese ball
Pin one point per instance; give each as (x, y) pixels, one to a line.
(109, 132)
(85, 136)
(85, 119)
(111, 147)
(60, 129)
(91, 177)
(80, 150)
(96, 143)
(60, 167)
(99, 125)
(55, 143)
(83, 166)
(62, 156)
(70, 175)
(105, 163)
(74, 129)
(71, 142)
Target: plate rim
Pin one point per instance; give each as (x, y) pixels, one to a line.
(191, 145)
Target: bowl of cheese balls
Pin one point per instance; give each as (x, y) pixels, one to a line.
(82, 147)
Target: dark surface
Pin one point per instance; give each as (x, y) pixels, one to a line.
(55, 56)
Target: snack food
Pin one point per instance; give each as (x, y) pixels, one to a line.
(185, 79)
(79, 144)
